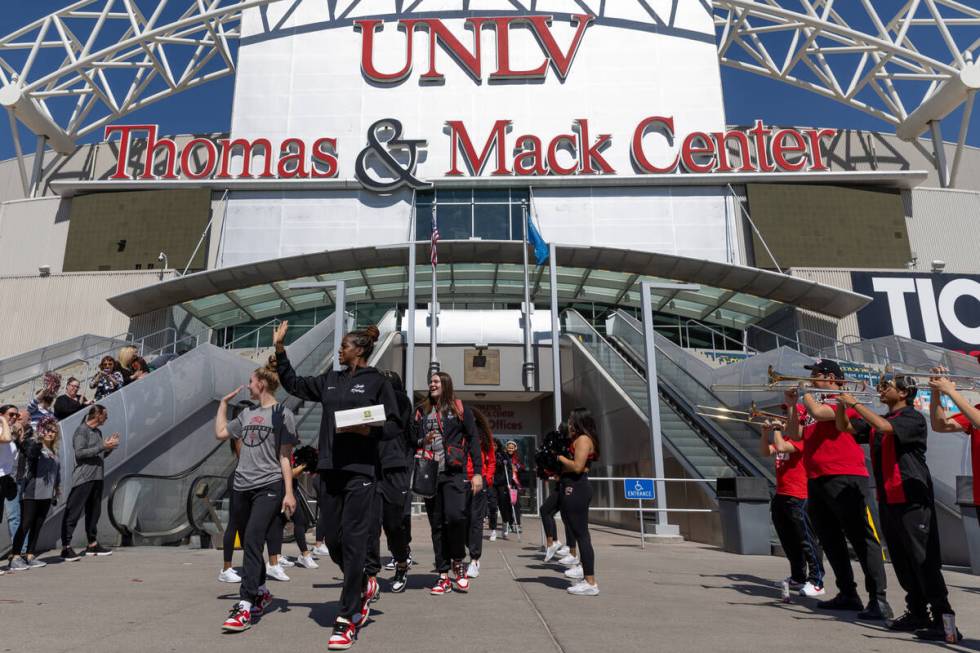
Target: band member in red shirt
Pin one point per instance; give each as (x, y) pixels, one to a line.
(906, 502)
(837, 488)
(788, 510)
(966, 421)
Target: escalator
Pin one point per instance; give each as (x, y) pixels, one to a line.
(599, 376)
(194, 500)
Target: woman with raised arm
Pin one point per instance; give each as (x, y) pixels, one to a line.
(348, 460)
(260, 493)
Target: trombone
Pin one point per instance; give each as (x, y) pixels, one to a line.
(963, 381)
(781, 382)
(751, 416)
(851, 386)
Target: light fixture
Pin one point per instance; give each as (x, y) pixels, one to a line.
(162, 257)
(44, 270)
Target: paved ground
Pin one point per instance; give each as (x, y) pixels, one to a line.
(670, 597)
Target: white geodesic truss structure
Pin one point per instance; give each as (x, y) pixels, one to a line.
(95, 61)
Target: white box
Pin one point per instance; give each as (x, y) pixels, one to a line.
(366, 416)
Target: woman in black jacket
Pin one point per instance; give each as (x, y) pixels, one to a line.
(499, 495)
(348, 460)
(446, 428)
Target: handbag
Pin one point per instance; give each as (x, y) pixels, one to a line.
(425, 474)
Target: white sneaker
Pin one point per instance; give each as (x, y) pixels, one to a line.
(229, 576)
(575, 572)
(563, 551)
(307, 561)
(37, 564)
(285, 562)
(584, 589)
(569, 560)
(493, 536)
(473, 571)
(811, 590)
(321, 550)
(275, 572)
(550, 551)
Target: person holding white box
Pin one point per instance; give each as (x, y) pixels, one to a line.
(364, 403)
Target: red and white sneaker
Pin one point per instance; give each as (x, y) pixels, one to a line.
(371, 592)
(239, 619)
(459, 577)
(343, 635)
(442, 586)
(263, 602)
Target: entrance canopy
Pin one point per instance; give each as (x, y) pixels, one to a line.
(488, 272)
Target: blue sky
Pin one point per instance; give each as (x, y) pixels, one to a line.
(747, 97)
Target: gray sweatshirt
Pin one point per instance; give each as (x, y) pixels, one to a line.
(89, 455)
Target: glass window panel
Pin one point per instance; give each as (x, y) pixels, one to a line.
(455, 221)
(491, 195)
(454, 195)
(424, 196)
(490, 222)
(423, 222)
(516, 227)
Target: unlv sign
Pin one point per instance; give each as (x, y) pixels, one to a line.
(470, 58)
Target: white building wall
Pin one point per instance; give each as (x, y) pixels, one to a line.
(33, 232)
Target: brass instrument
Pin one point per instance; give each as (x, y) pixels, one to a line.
(751, 416)
(805, 384)
(963, 381)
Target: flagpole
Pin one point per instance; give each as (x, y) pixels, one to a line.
(528, 359)
(434, 311)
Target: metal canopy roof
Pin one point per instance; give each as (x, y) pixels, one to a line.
(488, 272)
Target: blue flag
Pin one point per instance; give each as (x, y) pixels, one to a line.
(541, 248)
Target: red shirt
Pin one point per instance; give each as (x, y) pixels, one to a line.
(827, 451)
(974, 434)
(791, 473)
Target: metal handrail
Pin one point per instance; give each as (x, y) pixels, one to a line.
(192, 494)
(255, 332)
(723, 336)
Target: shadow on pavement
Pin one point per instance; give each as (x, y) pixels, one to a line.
(550, 581)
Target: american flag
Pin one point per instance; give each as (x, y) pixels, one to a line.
(434, 243)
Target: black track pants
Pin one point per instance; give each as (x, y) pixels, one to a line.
(447, 520)
(576, 495)
(347, 512)
(87, 498)
(839, 513)
(789, 517)
(912, 535)
(257, 513)
(476, 511)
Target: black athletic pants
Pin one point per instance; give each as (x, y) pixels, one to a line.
(346, 508)
(576, 495)
(233, 527)
(32, 514)
(912, 535)
(792, 524)
(257, 513)
(447, 519)
(389, 513)
(476, 511)
(839, 513)
(499, 499)
(85, 497)
(548, 511)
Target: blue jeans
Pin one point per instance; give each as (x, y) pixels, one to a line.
(12, 508)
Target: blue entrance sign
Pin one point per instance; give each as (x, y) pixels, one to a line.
(638, 488)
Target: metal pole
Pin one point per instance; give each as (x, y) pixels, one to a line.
(38, 165)
(528, 361)
(433, 333)
(410, 344)
(643, 538)
(340, 319)
(555, 332)
(661, 527)
(937, 143)
(20, 153)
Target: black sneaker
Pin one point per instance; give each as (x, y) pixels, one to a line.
(98, 550)
(390, 565)
(876, 611)
(908, 623)
(936, 633)
(400, 581)
(842, 602)
(68, 554)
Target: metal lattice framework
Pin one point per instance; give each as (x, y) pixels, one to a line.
(95, 61)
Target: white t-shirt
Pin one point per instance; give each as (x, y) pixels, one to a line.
(8, 459)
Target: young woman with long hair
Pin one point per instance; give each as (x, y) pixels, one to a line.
(445, 427)
(42, 485)
(499, 494)
(476, 501)
(576, 495)
(347, 465)
(261, 493)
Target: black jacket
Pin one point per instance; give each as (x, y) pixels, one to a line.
(398, 451)
(504, 470)
(454, 433)
(343, 390)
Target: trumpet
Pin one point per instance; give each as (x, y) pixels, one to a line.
(751, 416)
(963, 381)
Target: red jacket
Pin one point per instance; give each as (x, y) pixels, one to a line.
(489, 465)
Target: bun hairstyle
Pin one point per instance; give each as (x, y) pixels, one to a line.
(269, 375)
(365, 339)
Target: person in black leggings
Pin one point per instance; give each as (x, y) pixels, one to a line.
(549, 508)
(476, 501)
(347, 465)
(228, 573)
(42, 485)
(261, 495)
(498, 498)
(576, 495)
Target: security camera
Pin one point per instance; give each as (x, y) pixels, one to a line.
(44, 270)
(161, 257)
(938, 266)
